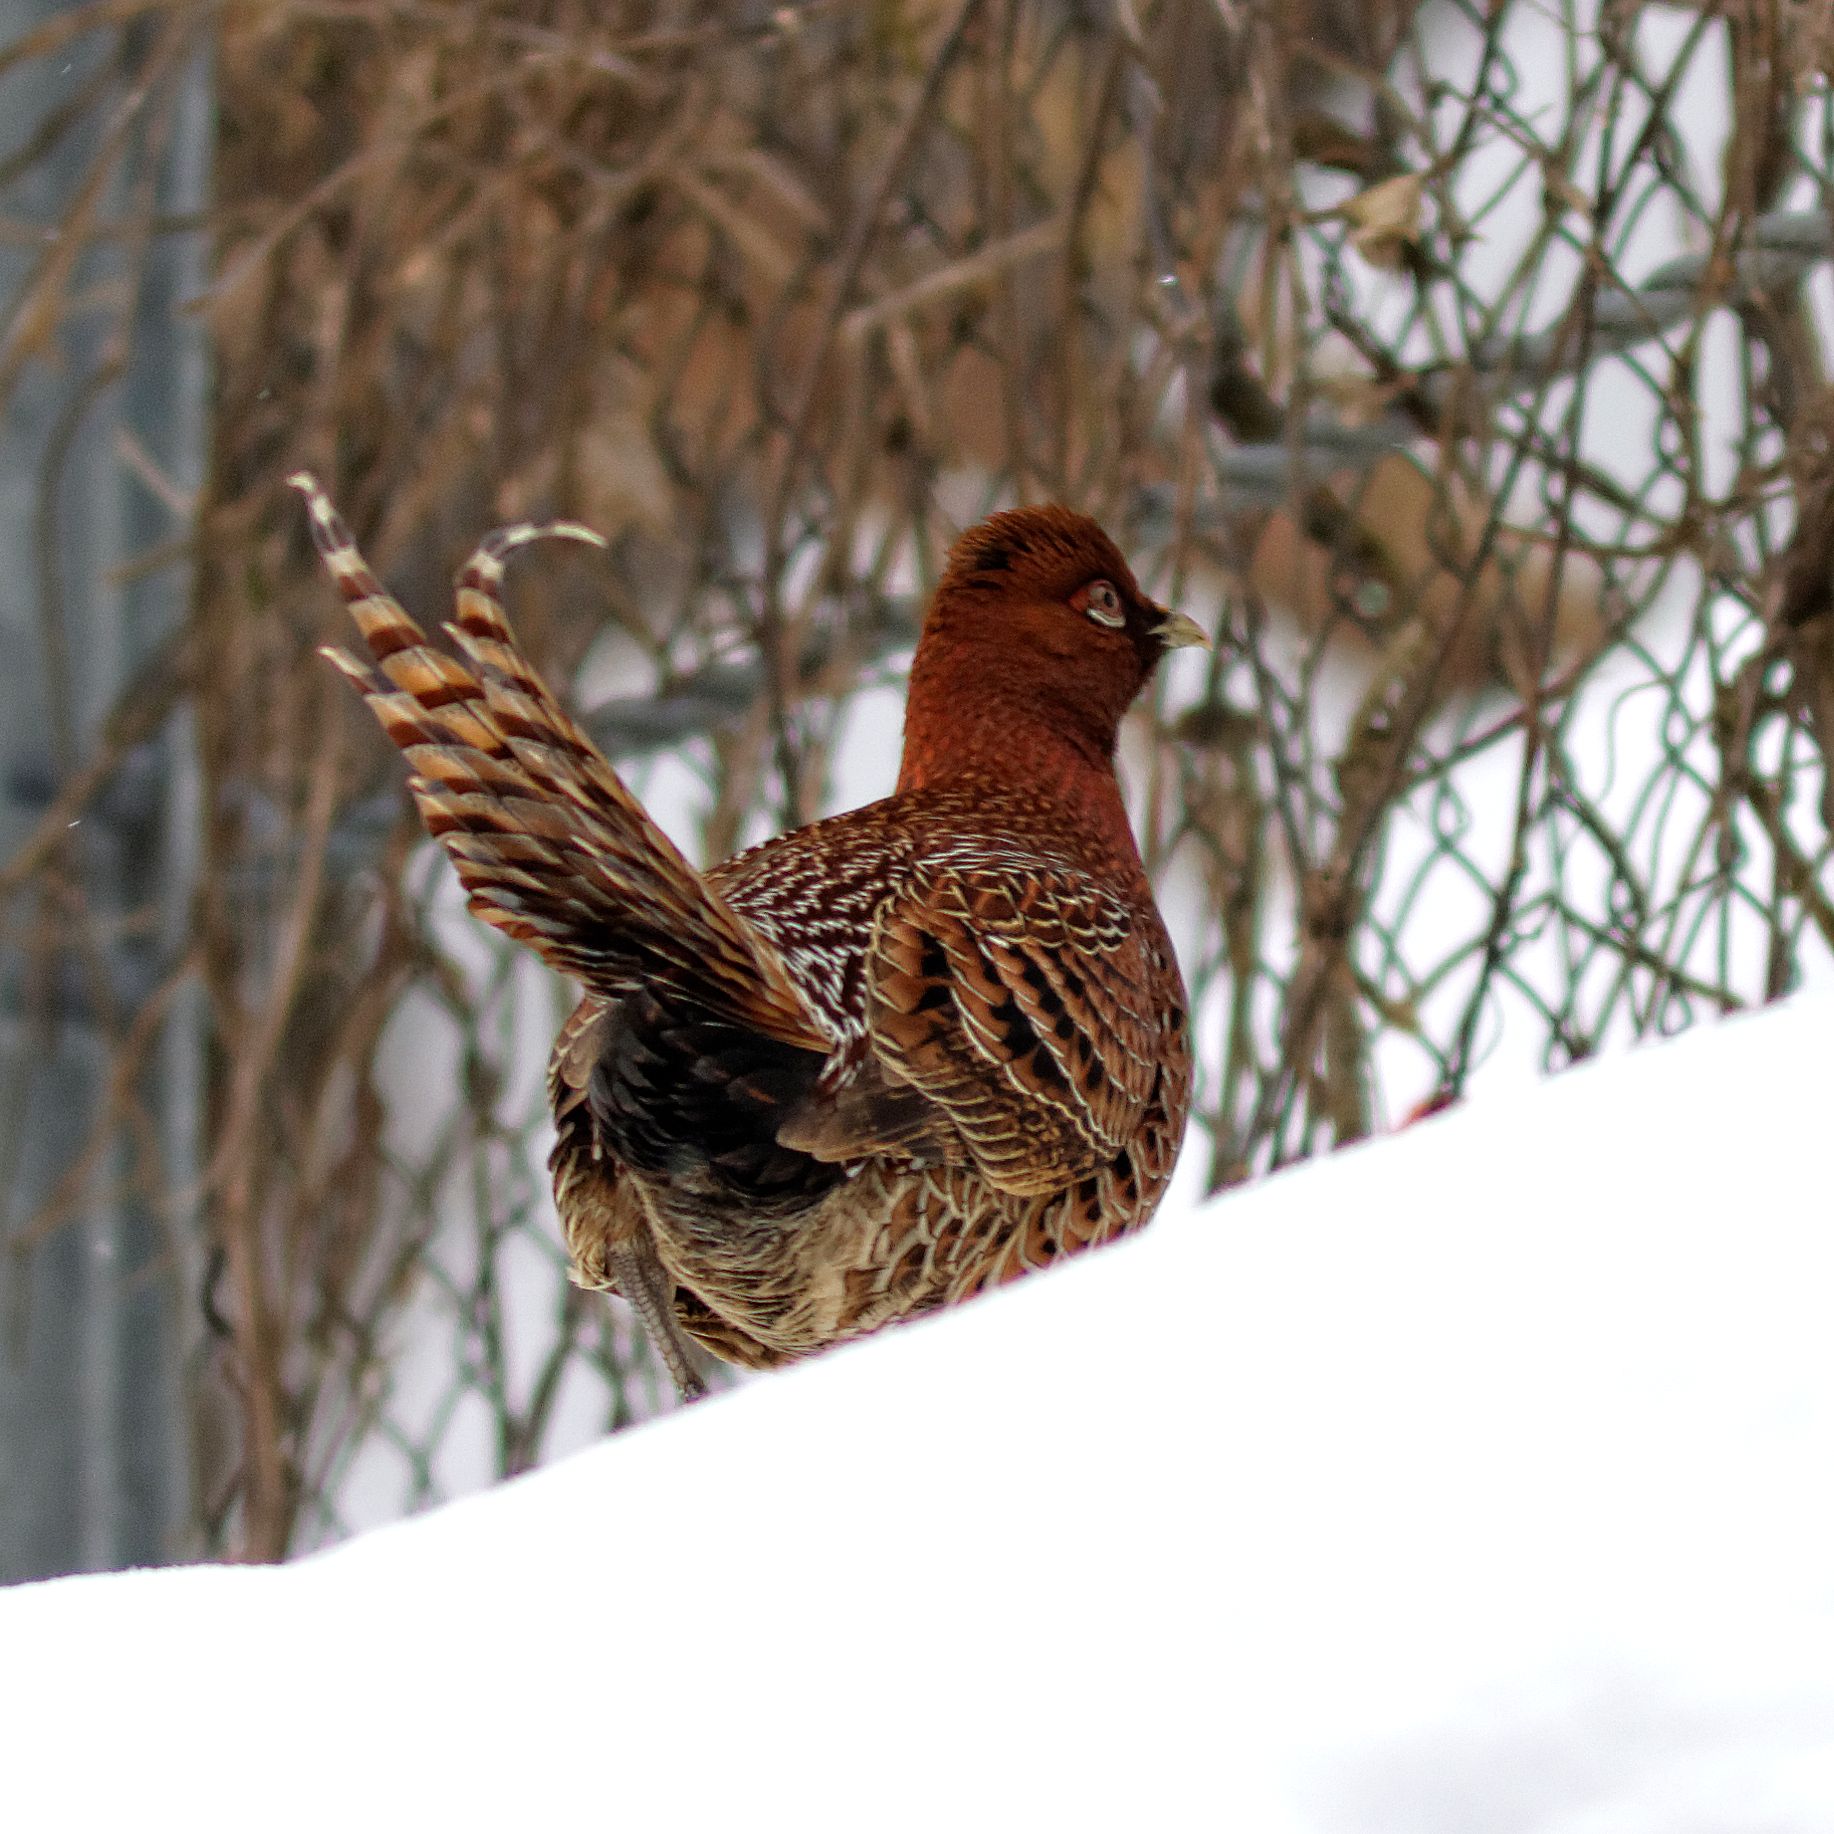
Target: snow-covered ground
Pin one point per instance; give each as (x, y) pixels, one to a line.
(1483, 1482)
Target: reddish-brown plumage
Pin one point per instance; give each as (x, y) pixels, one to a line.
(872, 1066)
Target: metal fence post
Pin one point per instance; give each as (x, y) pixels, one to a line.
(92, 1441)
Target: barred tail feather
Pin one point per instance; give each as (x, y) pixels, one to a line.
(551, 847)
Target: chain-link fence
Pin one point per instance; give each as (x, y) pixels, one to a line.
(1462, 368)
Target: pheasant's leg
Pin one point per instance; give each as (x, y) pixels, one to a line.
(641, 1279)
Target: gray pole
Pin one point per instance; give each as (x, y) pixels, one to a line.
(103, 427)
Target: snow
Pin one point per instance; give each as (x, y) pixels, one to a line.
(1484, 1482)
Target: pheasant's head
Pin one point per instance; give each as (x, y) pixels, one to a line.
(1037, 642)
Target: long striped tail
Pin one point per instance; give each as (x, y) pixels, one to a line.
(550, 845)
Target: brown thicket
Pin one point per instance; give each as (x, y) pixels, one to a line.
(1459, 369)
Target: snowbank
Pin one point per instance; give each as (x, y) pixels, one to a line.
(1478, 1480)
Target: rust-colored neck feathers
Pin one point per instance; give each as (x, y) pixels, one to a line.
(1012, 683)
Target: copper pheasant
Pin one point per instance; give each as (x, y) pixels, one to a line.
(874, 1065)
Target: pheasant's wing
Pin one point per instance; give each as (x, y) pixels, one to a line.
(550, 845)
(1028, 1006)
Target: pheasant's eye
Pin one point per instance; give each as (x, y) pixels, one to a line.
(1103, 604)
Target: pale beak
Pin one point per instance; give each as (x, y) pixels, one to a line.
(1177, 632)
